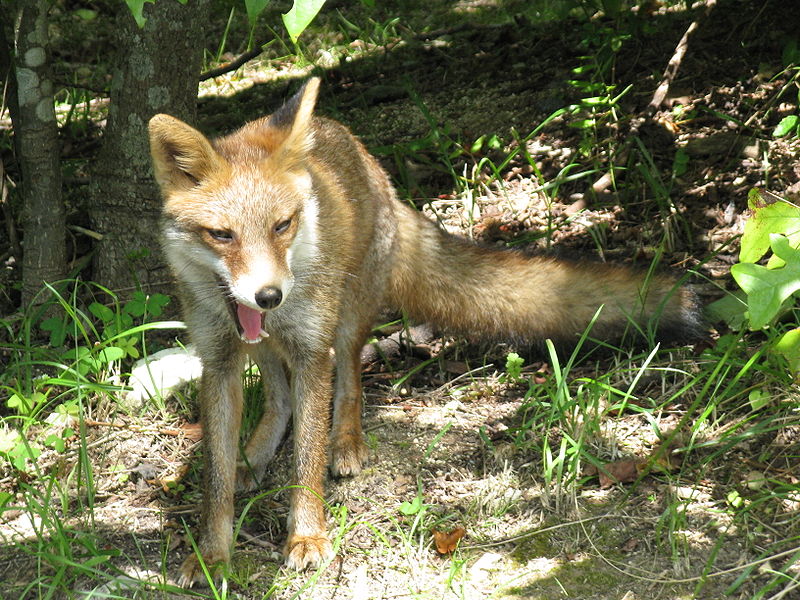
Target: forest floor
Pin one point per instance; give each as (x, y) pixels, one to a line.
(451, 445)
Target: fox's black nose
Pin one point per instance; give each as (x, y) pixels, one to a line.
(269, 297)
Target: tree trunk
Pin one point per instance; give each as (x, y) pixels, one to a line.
(36, 131)
(157, 71)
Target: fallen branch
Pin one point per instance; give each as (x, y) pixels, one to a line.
(603, 183)
(234, 64)
(190, 431)
(675, 62)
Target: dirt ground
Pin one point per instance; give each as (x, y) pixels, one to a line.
(449, 434)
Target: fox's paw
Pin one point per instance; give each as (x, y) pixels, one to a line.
(248, 477)
(191, 571)
(305, 551)
(348, 454)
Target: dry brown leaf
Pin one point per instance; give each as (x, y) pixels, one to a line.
(620, 471)
(446, 542)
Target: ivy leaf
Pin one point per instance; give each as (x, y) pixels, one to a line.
(771, 214)
(300, 16)
(766, 288)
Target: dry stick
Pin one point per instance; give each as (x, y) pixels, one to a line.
(250, 55)
(145, 429)
(602, 184)
(234, 64)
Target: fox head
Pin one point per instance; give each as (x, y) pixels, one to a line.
(240, 212)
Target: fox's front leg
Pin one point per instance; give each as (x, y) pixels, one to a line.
(220, 413)
(308, 544)
(348, 450)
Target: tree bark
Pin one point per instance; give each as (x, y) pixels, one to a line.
(36, 131)
(157, 71)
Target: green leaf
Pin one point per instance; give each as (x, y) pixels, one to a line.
(84, 361)
(137, 305)
(787, 125)
(595, 101)
(758, 399)
(300, 16)
(477, 145)
(789, 346)
(110, 354)
(730, 308)
(21, 453)
(136, 7)
(791, 53)
(77, 353)
(735, 499)
(156, 304)
(411, 508)
(18, 403)
(58, 330)
(129, 346)
(680, 162)
(101, 311)
(767, 289)
(86, 14)
(583, 124)
(254, 9)
(514, 364)
(9, 439)
(771, 214)
(56, 442)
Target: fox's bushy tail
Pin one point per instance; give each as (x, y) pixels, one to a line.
(500, 294)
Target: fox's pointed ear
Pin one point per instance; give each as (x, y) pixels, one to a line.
(293, 120)
(182, 156)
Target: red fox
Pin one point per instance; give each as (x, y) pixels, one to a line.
(287, 240)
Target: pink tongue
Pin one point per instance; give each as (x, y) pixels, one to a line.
(250, 320)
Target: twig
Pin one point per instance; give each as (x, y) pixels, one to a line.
(142, 429)
(234, 64)
(87, 232)
(675, 62)
(602, 184)
(252, 539)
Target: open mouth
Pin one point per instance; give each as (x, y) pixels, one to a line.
(249, 321)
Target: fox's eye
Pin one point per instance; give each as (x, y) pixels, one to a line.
(221, 235)
(283, 226)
